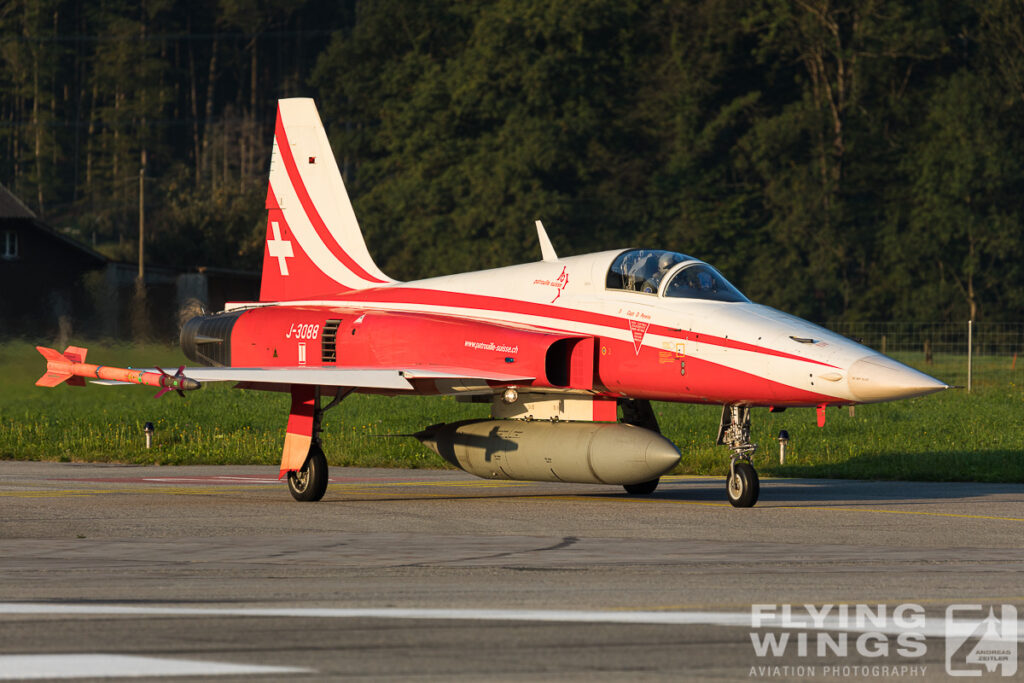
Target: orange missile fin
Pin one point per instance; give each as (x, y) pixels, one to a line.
(58, 368)
(52, 355)
(164, 388)
(52, 379)
(75, 354)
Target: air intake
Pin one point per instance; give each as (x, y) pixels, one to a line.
(329, 354)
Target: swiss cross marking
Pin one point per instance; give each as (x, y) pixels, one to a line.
(279, 248)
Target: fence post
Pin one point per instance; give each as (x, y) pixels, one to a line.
(970, 348)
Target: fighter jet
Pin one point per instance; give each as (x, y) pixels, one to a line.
(569, 352)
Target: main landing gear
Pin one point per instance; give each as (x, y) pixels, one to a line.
(309, 483)
(742, 485)
(643, 488)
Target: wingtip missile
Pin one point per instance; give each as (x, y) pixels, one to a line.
(70, 367)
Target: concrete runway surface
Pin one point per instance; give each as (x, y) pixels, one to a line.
(174, 572)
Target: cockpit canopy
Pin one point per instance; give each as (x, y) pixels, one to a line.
(642, 270)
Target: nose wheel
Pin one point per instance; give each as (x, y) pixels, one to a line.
(742, 487)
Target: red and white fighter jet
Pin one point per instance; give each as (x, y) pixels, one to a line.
(558, 347)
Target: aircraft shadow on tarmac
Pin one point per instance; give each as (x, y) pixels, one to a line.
(774, 492)
(838, 491)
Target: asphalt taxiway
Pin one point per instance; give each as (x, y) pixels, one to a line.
(435, 574)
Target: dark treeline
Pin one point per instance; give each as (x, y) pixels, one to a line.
(90, 91)
(838, 160)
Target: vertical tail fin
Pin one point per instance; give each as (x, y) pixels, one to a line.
(314, 245)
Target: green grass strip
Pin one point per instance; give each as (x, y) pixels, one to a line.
(952, 436)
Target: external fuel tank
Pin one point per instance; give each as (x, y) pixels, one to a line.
(579, 452)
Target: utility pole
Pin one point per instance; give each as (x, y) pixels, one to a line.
(140, 314)
(970, 353)
(142, 220)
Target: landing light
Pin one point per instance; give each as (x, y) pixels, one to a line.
(510, 396)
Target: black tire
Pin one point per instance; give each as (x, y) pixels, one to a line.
(743, 487)
(309, 484)
(643, 488)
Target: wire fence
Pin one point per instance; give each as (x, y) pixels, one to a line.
(963, 354)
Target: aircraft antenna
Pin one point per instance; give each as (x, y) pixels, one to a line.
(547, 251)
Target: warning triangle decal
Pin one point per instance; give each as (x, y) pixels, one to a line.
(638, 329)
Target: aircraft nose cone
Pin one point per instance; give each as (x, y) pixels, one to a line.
(880, 378)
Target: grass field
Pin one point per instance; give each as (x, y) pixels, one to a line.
(953, 436)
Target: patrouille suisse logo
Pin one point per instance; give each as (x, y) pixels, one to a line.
(559, 283)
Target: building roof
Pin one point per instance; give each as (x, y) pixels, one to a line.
(44, 228)
(12, 207)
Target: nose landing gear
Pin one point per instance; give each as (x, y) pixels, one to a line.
(742, 485)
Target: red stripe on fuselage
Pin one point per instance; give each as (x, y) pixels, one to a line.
(310, 208)
(482, 302)
(649, 376)
(413, 295)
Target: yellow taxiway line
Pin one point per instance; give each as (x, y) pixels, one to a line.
(373, 490)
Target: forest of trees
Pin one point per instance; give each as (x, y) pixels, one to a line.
(839, 160)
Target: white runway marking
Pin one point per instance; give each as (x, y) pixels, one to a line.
(27, 667)
(935, 626)
(615, 617)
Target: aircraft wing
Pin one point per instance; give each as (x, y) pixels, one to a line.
(369, 378)
(360, 378)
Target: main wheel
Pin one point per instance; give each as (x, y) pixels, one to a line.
(643, 488)
(743, 486)
(310, 483)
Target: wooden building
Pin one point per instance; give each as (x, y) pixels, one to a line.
(52, 286)
(42, 272)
